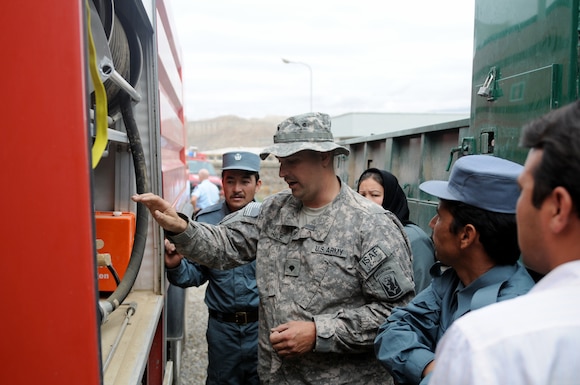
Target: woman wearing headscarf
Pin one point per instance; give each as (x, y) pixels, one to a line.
(383, 188)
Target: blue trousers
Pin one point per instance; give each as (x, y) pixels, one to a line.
(232, 353)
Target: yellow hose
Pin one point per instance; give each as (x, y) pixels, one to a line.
(100, 99)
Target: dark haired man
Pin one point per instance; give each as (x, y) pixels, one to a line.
(532, 339)
(475, 237)
(231, 295)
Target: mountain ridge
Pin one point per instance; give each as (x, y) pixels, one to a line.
(231, 131)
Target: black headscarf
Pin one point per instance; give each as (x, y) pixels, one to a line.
(394, 198)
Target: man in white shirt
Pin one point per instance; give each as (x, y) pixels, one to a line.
(205, 193)
(535, 338)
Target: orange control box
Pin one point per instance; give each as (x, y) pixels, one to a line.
(115, 234)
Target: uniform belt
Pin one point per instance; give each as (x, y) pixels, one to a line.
(240, 317)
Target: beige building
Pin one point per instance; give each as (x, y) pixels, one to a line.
(357, 124)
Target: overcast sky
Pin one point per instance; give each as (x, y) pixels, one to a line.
(365, 56)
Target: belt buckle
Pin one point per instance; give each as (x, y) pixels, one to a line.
(241, 317)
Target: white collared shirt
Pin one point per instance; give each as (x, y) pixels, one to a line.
(532, 339)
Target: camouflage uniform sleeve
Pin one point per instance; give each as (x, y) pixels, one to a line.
(227, 245)
(386, 276)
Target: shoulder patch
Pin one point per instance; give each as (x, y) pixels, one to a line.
(251, 210)
(390, 284)
(372, 259)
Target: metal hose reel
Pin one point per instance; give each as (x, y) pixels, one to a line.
(119, 55)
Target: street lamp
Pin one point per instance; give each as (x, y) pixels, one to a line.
(286, 61)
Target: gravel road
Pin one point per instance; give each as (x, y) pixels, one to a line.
(194, 356)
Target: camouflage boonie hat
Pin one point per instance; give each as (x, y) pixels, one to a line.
(309, 131)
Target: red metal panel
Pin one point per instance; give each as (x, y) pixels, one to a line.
(169, 70)
(156, 359)
(172, 126)
(49, 323)
(165, 14)
(174, 169)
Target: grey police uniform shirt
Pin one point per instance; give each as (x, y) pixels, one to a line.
(345, 271)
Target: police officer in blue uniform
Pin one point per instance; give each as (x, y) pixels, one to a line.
(475, 237)
(231, 295)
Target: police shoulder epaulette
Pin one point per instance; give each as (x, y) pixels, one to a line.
(251, 210)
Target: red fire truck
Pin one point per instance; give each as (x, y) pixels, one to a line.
(92, 113)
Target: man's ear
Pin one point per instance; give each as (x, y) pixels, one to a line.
(560, 207)
(468, 235)
(327, 158)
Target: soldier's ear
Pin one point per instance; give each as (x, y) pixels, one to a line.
(326, 158)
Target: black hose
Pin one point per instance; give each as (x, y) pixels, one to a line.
(142, 218)
(114, 274)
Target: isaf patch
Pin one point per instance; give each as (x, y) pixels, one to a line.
(388, 275)
(372, 259)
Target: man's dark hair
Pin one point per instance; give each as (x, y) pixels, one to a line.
(558, 135)
(498, 232)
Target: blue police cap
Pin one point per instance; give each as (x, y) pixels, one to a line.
(483, 181)
(241, 160)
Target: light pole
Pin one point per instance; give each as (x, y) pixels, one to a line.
(286, 61)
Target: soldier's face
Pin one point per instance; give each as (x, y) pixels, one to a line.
(302, 173)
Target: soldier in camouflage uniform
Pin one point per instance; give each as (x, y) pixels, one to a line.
(331, 265)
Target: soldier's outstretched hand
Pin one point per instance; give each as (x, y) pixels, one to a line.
(162, 212)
